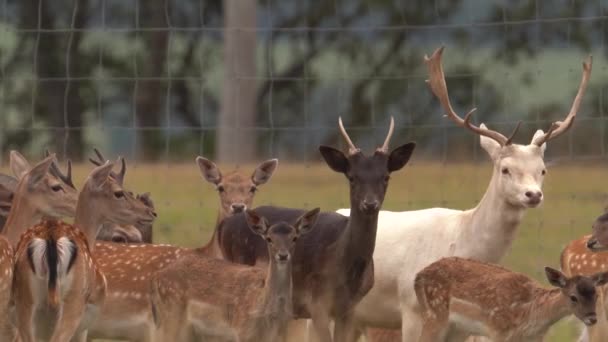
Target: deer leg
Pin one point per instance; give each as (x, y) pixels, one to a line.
(25, 316)
(344, 329)
(320, 322)
(69, 321)
(410, 325)
(433, 330)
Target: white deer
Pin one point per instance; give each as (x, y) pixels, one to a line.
(408, 241)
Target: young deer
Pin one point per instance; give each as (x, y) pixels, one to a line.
(333, 267)
(38, 193)
(588, 255)
(476, 298)
(410, 240)
(58, 287)
(128, 268)
(129, 233)
(199, 297)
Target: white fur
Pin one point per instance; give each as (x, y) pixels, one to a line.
(65, 250)
(409, 241)
(38, 247)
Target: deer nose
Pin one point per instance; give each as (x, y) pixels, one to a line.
(591, 319)
(591, 243)
(237, 207)
(283, 256)
(153, 213)
(534, 197)
(371, 205)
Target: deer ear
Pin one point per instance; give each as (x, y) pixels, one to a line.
(256, 223)
(400, 156)
(538, 134)
(555, 277)
(490, 145)
(100, 175)
(264, 171)
(39, 171)
(209, 170)
(18, 164)
(306, 223)
(600, 278)
(335, 159)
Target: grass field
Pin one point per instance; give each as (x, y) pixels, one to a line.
(574, 196)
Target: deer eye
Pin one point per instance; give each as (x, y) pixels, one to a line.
(253, 189)
(351, 179)
(544, 172)
(56, 188)
(220, 188)
(505, 171)
(386, 179)
(573, 299)
(119, 194)
(269, 240)
(295, 238)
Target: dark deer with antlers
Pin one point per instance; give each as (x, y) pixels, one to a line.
(333, 267)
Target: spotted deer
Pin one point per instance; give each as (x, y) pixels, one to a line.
(58, 287)
(407, 241)
(37, 193)
(333, 267)
(129, 233)
(585, 256)
(199, 297)
(128, 268)
(465, 295)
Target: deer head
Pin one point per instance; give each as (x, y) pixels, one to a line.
(368, 175)
(42, 188)
(236, 192)
(281, 237)
(103, 191)
(599, 234)
(580, 292)
(519, 170)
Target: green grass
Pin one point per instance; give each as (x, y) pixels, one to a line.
(574, 197)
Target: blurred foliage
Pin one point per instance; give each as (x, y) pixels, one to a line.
(145, 76)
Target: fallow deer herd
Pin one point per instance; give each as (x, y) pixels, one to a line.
(426, 275)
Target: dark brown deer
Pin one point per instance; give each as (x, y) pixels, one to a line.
(200, 298)
(333, 267)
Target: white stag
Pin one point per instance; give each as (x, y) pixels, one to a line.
(410, 240)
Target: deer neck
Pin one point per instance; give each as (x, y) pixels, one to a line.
(23, 215)
(488, 230)
(88, 219)
(547, 308)
(278, 290)
(359, 239)
(212, 247)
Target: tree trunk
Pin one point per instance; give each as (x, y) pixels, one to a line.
(150, 97)
(236, 139)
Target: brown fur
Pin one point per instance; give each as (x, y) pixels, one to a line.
(510, 306)
(87, 287)
(126, 313)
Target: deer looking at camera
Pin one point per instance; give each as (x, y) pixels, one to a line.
(58, 287)
(199, 298)
(333, 266)
(37, 193)
(588, 255)
(457, 294)
(410, 240)
(128, 268)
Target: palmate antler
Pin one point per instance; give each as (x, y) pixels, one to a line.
(352, 149)
(439, 88)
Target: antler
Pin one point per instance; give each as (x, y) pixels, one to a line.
(439, 88)
(55, 171)
(119, 177)
(559, 127)
(352, 149)
(391, 128)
